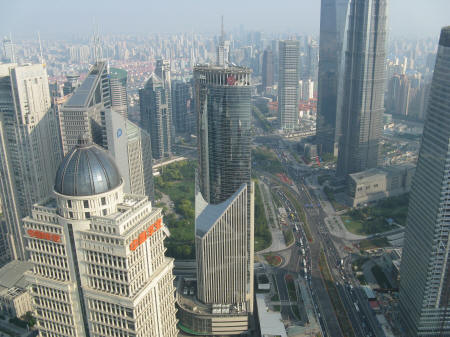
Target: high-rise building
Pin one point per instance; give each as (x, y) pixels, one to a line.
(424, 272)
(223, 49)
(288, 76)
(156, 116)
(333, 14)
(267, 69)
(71, 83)
(130, 146)
(29, 146)
(118, 84)
(364, 80)
(98, 255)
(162, 70)
(223, 204)
(84, 113)
(8, 50)
(181, 105)
(399, 95)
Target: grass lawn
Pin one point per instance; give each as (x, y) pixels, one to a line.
(288, 236)
(273, 260)
(267, 160)
(263, 237)
(291, 288)
(373, 243)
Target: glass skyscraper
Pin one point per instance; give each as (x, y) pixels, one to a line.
(333, 14)
(364, 79)
(424, 272)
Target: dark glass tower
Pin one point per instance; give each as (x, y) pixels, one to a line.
(223, 102)
(424, 273)
(267, 69)
(363, 86)
(156, 116)
(333, 15)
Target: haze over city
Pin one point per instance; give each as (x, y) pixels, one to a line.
(234, 168)
(413, 18)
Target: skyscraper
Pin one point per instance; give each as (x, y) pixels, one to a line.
(156, 117)
(29, 145)
(118, 85)
(223, 203)
(130, 146)
(162, 70)
(424, 273)
(83, 114)
(267, 69)
(8, 50)
(223, 49)
(181, 103)
(333, 15)
(98, 254)
(288, 77)
(399, 95)
(363, 87)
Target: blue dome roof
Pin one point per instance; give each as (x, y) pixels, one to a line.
(87, 170)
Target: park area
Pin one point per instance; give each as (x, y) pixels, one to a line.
(177, 183)
(386, 215)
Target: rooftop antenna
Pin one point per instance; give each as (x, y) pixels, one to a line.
(40, 49)
(222, 31)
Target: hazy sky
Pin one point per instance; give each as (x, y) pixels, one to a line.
(407, 17)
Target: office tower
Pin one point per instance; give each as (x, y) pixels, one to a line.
(98, 254)
(288, 84)
(118, 84)
(8, 50)
(306, 89)
(156, 117)
(162, 70)
(29, 145)
(333, 15)
(130, 146)
(181, 101)
(223, 204)
(363, 87)
(424, 273)
(84, 112)
(312, 60)
(267, 69)
(399, 95)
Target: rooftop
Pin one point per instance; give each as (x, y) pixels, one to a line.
(12, 275)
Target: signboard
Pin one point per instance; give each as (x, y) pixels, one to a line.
(44, 235)
(153, 228)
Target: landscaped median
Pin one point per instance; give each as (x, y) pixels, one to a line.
(273, 260)
(290, 284)
(339, 308)
(300, 212)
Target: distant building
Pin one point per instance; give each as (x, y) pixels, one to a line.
(363, 85)
(29, 146)
(8, 50)
(288, 85)
(379, 183)
(267, 70)
(399, 95)
(118, 84)
(15, 299)
(83, 115)
(181, 105)
(424, 272)
(71, 83)
(156, 116)
(98, 255)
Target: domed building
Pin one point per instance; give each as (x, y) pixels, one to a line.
(98, 254)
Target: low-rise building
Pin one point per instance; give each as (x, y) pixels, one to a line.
(379, 183)
(15, 298)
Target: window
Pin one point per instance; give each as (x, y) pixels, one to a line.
(103, 201)
(105, 211)
(88, 215)
(86, 203)
(71, 215)
(69, 203)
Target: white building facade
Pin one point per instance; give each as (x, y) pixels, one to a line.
(98, 254)
(29, 145)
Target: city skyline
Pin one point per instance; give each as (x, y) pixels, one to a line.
(303, 17)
